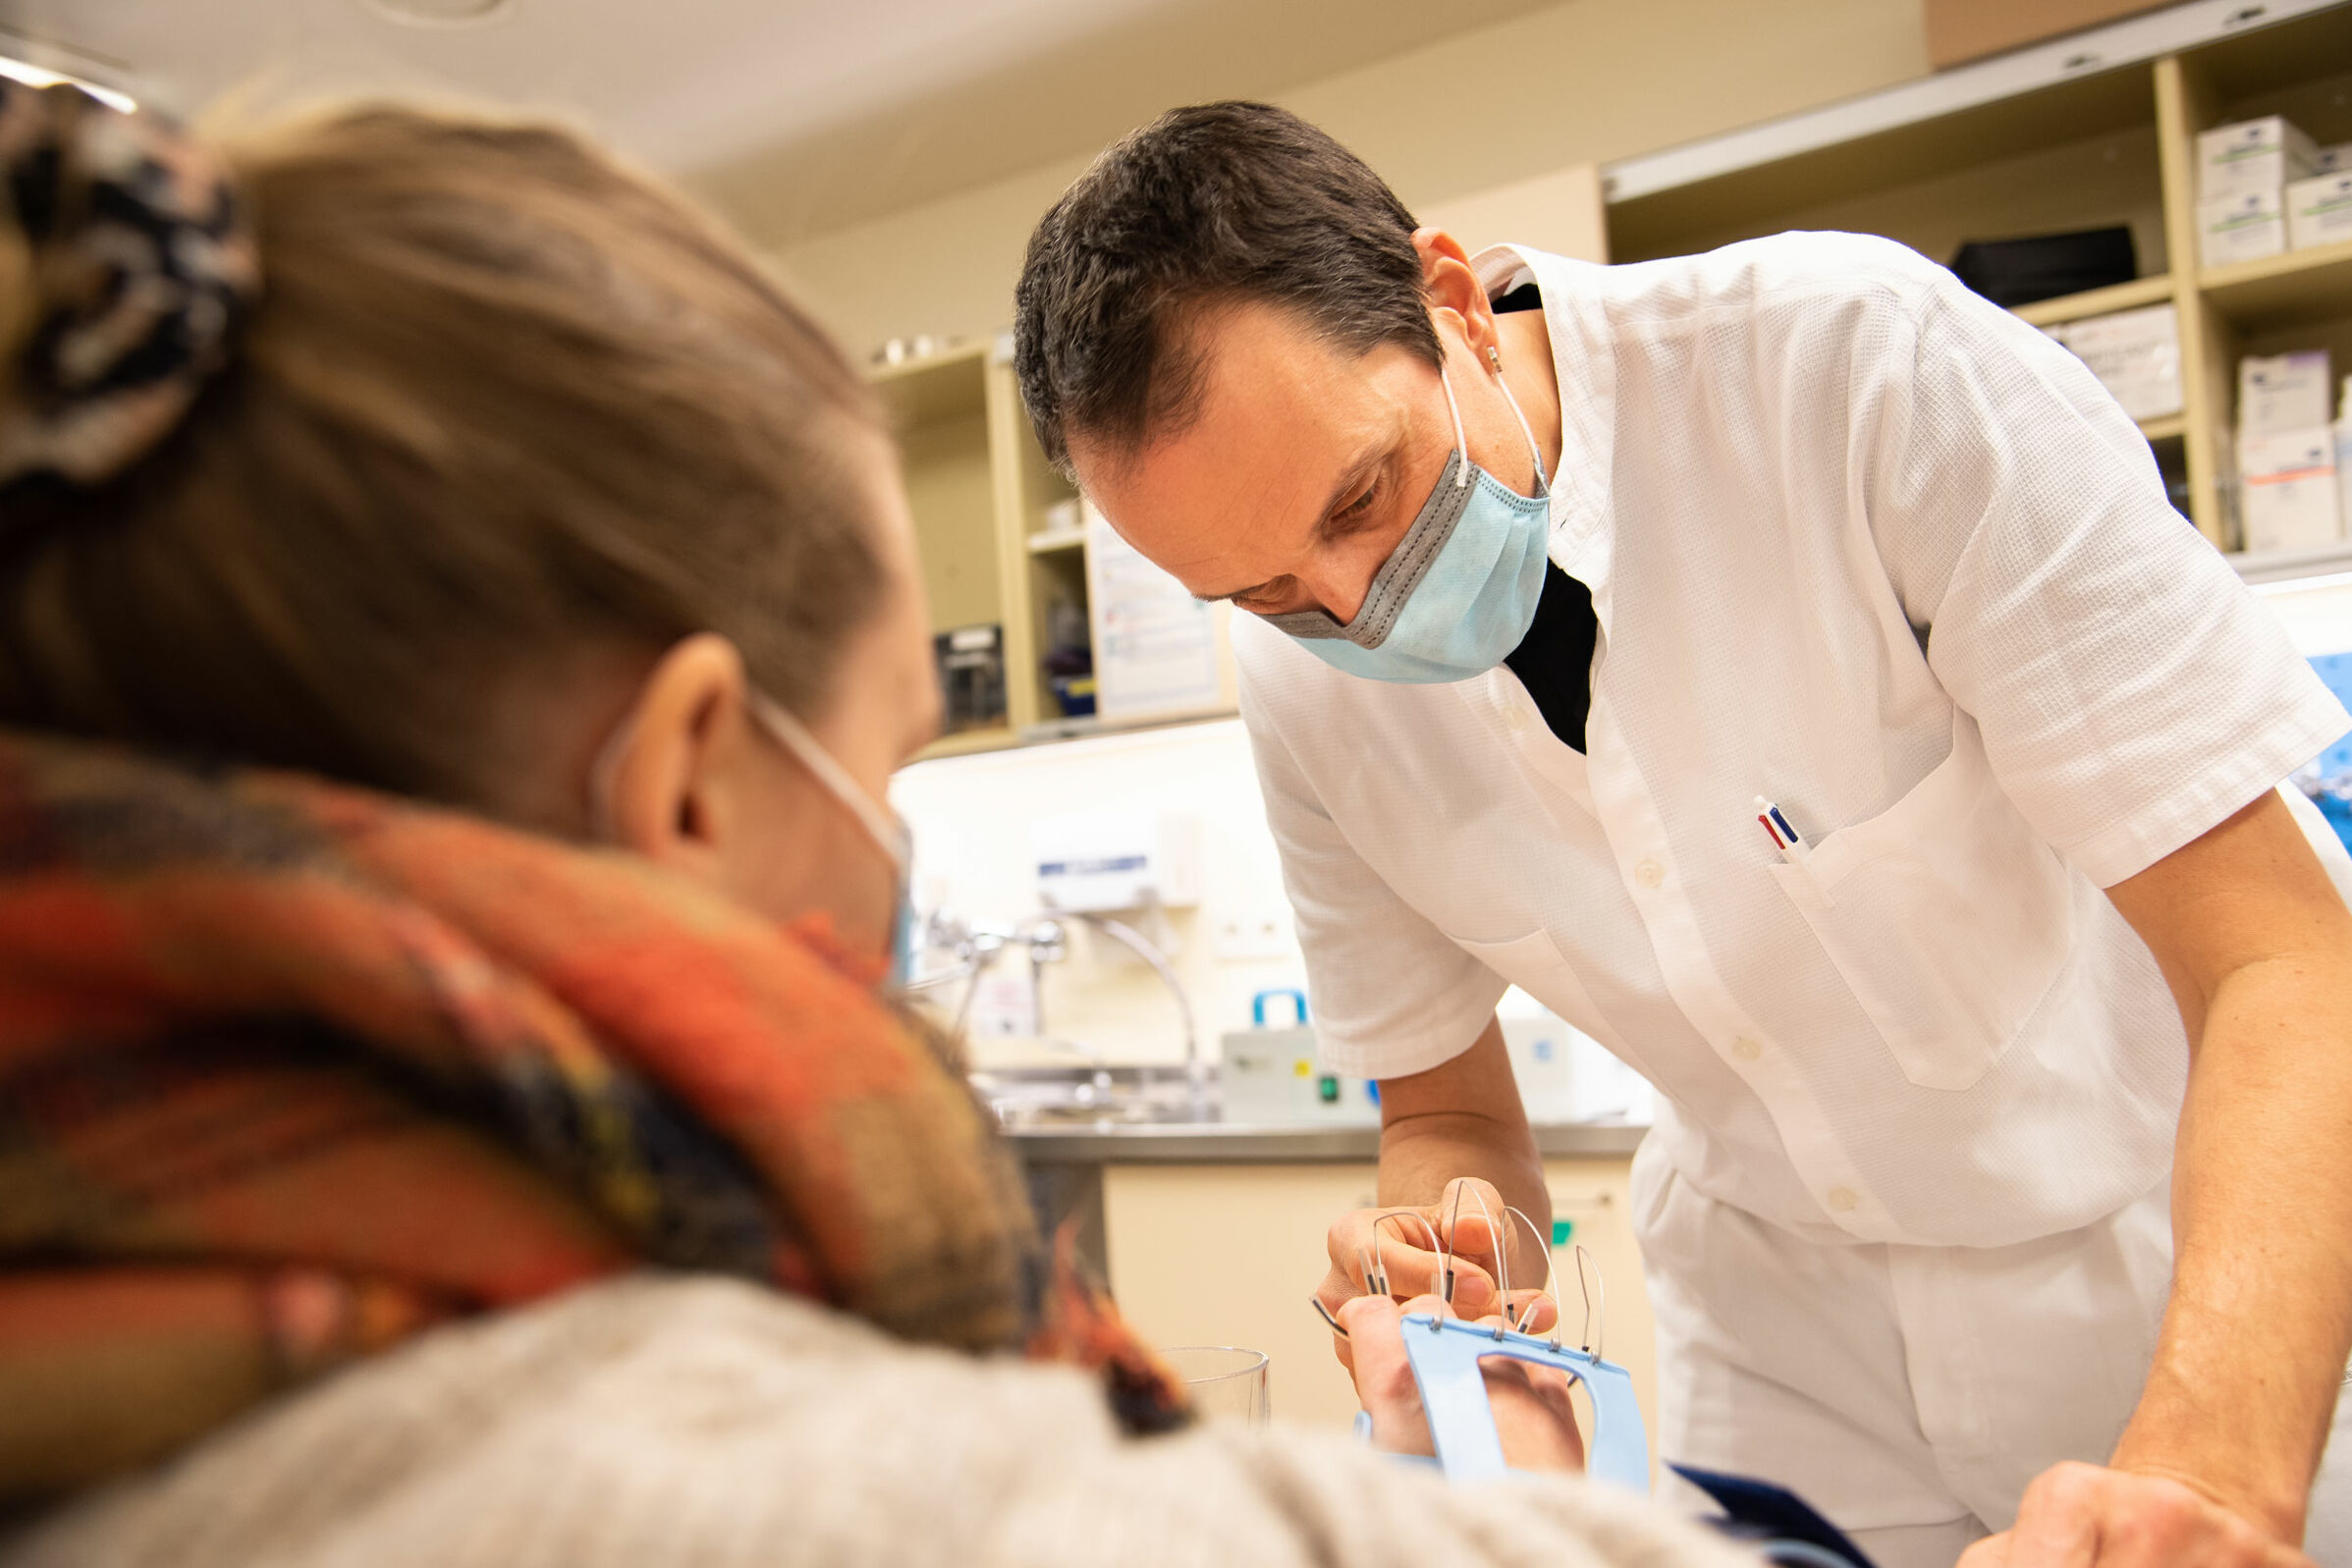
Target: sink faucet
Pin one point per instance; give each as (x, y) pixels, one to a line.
(976, 945)
(1196, 1074)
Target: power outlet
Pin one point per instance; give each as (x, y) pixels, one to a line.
(1245, 937)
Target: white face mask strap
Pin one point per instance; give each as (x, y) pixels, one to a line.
(1461, 447)
(888, 835)
(1525, 429)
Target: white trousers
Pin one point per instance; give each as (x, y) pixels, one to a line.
(1910, 1393)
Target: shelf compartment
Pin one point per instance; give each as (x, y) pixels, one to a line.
(946, 387)
(2099, 302)
(1049, 544)
(2171, 427)
(2294, 289)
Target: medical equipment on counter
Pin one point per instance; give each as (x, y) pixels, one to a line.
(1101, 862)
(1271, 1079)
(1447, 1356)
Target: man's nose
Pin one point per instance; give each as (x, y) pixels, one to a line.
(1338, 587)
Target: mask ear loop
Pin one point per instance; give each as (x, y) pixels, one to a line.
(885, 827)
(1461, 445)
(1542, 480)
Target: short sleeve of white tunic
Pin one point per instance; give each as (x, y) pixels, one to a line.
(1391, 994)
(2130, 694)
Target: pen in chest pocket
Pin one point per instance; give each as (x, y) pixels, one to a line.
(1786, 839)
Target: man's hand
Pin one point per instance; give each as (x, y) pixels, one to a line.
(1533, 1413)
(2083, 1516)
(1471, 1221)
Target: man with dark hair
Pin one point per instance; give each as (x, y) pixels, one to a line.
(1784, 666)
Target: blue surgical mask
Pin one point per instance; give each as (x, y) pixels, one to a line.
(1459, 591)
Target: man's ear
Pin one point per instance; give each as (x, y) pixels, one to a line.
(1449, 284)
(675, 779)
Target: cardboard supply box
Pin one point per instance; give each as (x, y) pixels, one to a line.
(2284, 395)
(2289, 489)
(2266, 154)
(1970, 29)
(2246, 227)
(2333, 160)
(2134, 353)
(2319, 212)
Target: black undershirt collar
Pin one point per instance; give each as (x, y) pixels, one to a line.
(1554, 660)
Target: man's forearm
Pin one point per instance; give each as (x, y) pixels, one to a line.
(2252, 1351)
(1466, 1119)
(1418, 1156)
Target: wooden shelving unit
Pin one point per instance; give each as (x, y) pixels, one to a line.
(2091, 130)
(979, 488)
(2133, 296)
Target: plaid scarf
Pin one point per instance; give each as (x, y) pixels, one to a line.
(290, 1072)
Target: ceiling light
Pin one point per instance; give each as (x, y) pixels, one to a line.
(439, 13)
(34, 75)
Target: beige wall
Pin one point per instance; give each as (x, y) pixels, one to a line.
(1584, 82)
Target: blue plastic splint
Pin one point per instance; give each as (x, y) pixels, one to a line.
(1444, 1354)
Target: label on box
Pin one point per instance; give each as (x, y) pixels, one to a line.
(2246, 227)
(2319, 212)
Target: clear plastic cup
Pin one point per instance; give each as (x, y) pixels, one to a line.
(1224, 1381)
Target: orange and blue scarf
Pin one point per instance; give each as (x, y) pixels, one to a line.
(291, 1073)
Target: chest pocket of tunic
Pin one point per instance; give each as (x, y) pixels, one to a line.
(1946, 915)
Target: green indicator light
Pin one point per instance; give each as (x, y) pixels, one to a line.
(1562, 1230)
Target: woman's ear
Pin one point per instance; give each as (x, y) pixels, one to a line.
(677, 776)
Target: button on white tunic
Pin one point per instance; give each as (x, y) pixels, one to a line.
(1870, 547)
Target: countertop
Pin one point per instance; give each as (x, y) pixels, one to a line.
(1215, 1144)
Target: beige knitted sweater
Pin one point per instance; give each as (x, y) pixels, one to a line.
(661, 1421)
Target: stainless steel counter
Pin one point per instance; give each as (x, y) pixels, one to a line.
(1214, 1144)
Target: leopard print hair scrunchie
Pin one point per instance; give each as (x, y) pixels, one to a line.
(133, 266)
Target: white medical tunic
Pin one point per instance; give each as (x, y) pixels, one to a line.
(1869, 547)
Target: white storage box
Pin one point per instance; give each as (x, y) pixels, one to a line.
(2290, 493)
(2319, 212)
(2333, 160)
(2284, 393)
(2134, 353)
(2246, 226)
(2264, 154)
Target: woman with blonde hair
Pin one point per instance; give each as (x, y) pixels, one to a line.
(457, 622)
